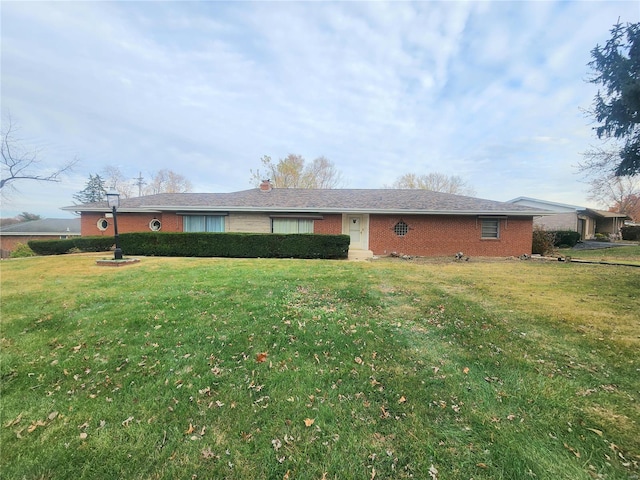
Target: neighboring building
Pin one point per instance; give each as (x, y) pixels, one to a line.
(586, 221)
(411, 222)
(45, 229)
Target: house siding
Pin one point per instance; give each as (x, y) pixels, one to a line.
(447, 235)
(559, 221)
(248, 222)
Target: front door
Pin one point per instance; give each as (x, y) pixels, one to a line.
(355, 230)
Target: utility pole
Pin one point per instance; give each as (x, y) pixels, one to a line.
(139, 182)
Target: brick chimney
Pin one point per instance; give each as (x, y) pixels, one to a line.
(266, 186)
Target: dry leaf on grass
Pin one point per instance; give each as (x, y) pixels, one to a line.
(308, 422)
(261, 357)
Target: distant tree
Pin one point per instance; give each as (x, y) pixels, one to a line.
(629, 205)
(114, 178)
(168, 181)
(436, 182)
(21, 163)
(28, 217)
(616, 108)
(94, 191)
(293, 172)
(621, 194)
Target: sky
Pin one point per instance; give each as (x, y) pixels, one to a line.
(495, 92)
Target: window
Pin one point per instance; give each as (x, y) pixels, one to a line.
(291, 225)
(155, 225)
(401, 228)
(203, 223)
(102, 224)
(491, 228)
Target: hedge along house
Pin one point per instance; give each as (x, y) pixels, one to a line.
(380, 222)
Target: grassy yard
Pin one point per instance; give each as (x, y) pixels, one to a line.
(627, 254)
(292, 369)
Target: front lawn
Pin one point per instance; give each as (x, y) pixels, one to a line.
(293, 369)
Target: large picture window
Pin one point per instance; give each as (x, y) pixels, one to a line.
(291, 225)
(203, 223)
(490, 228)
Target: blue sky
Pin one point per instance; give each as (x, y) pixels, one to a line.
(494, 92)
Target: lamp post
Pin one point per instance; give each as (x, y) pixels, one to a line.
(113, 199)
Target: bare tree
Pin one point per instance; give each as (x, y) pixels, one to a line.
(114, 178)
(168, 181)
(293, 172)
(20, 163)
(436, 182)
(621, 193)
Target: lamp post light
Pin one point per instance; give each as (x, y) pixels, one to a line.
(113, 199)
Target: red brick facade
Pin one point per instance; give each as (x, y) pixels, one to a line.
(428, 235)
(439, 235)
(129, 222)
(330, 224)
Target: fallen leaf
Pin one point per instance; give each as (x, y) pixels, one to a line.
(261, 357)
(190, 430)
(308, 422)
(127, 421)
(15, 421)
(83, 436)
(286, 476)
(402, 399)
(358, 360)
(596, 431)
(465, 370)
(481, 465)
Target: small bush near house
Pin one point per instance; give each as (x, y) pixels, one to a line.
(602, 237)
(567, 238)
(22, 250)
(543, 241)
(631, 233)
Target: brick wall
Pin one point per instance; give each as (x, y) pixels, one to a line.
(436, 235)
(129, 222)
(440, 235)
(330, 224)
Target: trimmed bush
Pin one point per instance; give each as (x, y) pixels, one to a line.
(235, 245)
(82, 244)
(568, 238)
(542, 241)
(631, 233)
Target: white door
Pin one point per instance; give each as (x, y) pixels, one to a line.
(355, 231)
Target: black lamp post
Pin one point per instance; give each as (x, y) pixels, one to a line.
(113, 199)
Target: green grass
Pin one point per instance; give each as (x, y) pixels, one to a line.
(273, 369)
(626, 254)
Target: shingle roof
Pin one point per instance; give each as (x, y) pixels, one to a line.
(46, 226)
(318, 201)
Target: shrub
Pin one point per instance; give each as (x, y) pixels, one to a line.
(22, 250)
(631, 233)
(567, 238)
(237, 245)
(602, 237)
(82, 244)
(543, 241)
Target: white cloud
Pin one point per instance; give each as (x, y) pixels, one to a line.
(489, 90)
